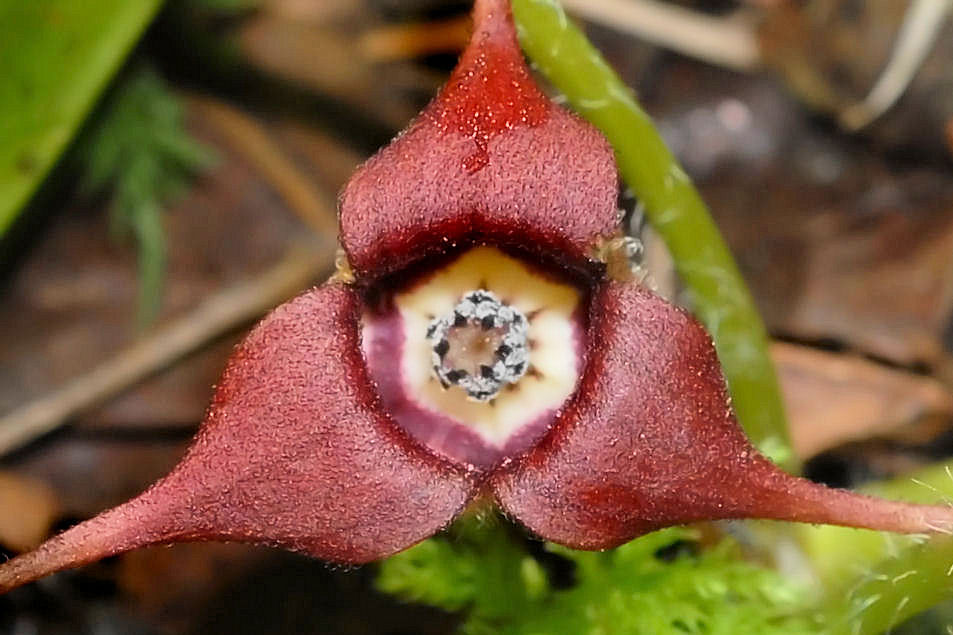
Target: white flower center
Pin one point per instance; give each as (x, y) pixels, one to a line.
(476, 358)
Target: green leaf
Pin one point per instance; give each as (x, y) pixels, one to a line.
(675, 209)
(897, 588)
(57, 57)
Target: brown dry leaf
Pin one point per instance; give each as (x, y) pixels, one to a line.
(831, 53)
(329, 60)
(810, 41)
(837, 242)
(29, 509)
(413, 40)
(948, 134)
(317, 153)
(833, 399)
(882, 283)
(309, 10)
(865, 260)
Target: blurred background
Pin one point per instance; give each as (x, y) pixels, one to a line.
(168, 177)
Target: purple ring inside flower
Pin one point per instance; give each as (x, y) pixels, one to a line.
(476, 359)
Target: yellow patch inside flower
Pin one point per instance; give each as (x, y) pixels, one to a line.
(553, 331)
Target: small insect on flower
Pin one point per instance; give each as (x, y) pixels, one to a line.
(483, 347)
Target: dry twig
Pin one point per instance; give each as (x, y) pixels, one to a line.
(249, 139)
(921, 26)
(408, 41)
(221, 313)
(730, 42)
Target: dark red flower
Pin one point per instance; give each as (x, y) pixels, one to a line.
(480, 347)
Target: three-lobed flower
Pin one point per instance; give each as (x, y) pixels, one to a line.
(487, 341)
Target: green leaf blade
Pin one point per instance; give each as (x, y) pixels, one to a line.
(58, 56)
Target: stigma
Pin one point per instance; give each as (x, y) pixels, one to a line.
(480, 346)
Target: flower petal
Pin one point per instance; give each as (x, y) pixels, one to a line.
(295, 452)
(651, 441)
(490, 159)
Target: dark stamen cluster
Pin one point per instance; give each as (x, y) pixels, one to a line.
(480, 346)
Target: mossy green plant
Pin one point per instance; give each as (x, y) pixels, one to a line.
(662, 583)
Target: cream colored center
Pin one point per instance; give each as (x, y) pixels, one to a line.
(554, 364)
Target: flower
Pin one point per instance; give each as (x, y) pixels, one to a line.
(486, 341)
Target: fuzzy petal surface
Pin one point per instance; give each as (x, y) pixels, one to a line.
(651, 441)
(295, 452)
(492, 159)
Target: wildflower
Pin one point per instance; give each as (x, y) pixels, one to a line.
(486, 341)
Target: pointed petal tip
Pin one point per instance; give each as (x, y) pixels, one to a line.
(768, 492)
(650, 441)
(491, 90)
(295, 452)
(493, 22)
(490, 159)
(484, 9)
(128, 526)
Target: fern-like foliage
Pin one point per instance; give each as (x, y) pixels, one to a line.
(659, 584)
(138, 151)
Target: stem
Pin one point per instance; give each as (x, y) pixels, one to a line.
(673, 205)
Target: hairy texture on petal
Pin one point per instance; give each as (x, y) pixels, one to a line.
(651, 441)
(295, 452)
(490, 159)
